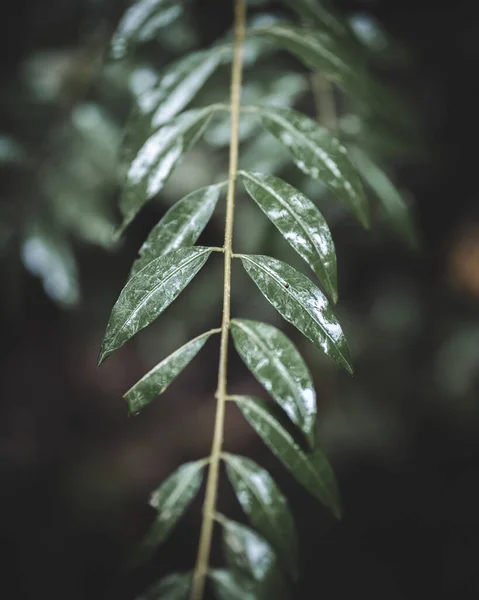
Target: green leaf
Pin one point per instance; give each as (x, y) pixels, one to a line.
(171, 500)
(313, 471)
(250, 557)
(300, 222)
(301, 303)
(157, 158)
(322, 14)
(159, 378)
(228, 586)
(390, 198)
(179, 85)
(266, 508)
(181, 226)
(318, 154)
(277, 365)
(148, 293)
(176, 586)
(317, 49)
(158, 104)
(141, 22)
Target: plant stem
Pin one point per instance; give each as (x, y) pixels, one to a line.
(209, 506)
(323, 93)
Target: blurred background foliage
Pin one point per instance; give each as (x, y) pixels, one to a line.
(402, 434)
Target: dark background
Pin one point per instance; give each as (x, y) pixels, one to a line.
(75, 471)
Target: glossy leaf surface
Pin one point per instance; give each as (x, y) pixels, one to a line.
(318, 154)
(148, 293)
(157, 158)
(301, 303)
(390, 198)
(157, 380)
(266, 508)
(141, 22)
(300, 222)
(322, 14)
(171, 500)
(176, 586)
(181, 226)
(228, 586)
(249, 556)
(277, 365)
(313, 471)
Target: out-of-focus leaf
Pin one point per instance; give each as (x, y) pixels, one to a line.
(158, 104)
(301, 303)
(390, 198)
(277, 365)
(148, 293)
(159, 378)
(49, 256)
(250, 557)
(266, 508)
(318, 154)
(171, 500)
(157, 158)
(181, 226)
(313, 471)
(176, 586)
(300, 222)
(317, 49)
(228, 586)
(141, 22)
(179, 85)
(322, 14)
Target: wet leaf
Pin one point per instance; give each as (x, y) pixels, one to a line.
(157, 158)
(250, 557)
(176, 586)
(228, 586)
(179, 85)
(141, 22)
(159, 378)
(171, 500)
(390, 198)
(277, 365)
(301, 303)
(313, 471)
(317, 49)
(181, 226)
(148, 293)
(300, 222)
(266, 508)
(318, 154)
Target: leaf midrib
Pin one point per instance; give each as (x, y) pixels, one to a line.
(155, 289)
(279, 365)
(297, 218)
(287, 290)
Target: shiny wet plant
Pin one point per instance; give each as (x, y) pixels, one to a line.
(261, 560)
